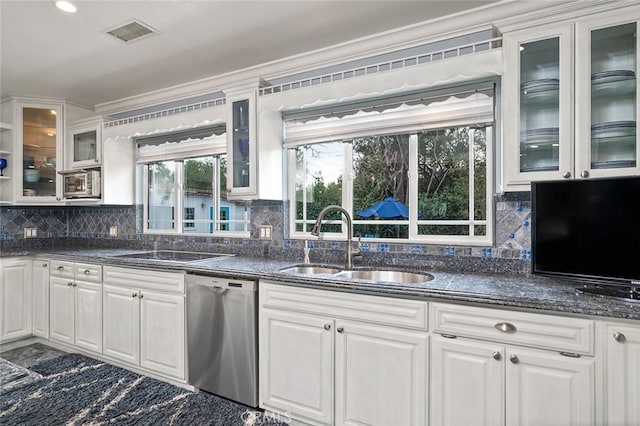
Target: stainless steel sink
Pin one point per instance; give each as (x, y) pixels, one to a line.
(309, 269)
(386, 275)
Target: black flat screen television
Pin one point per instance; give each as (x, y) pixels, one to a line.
(588, 230)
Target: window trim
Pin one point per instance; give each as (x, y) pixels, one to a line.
(412, 222)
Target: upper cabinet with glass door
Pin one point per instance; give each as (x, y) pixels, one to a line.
(537, 104)
(84, 144)
(39, 134)
(607, 142)
(241, 145)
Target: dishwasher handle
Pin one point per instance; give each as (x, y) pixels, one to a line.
(220, 284)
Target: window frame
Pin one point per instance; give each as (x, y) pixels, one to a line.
(413, 221)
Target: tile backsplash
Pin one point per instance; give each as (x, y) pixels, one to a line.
(89, 226)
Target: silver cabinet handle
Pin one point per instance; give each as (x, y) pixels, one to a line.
(141, 295)
(87, 272)
(340, 330)
(60, 268)
(619, 337)
(497, 356)
(75, 285)
(44, 265)
(506, 327)
(566, 175)
(327, 326)
(584, 174)
(134, 295)
(514, 359)
(69, 284)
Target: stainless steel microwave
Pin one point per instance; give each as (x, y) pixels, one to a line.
(81, 183)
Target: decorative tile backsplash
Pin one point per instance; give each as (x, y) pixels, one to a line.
(90, 225)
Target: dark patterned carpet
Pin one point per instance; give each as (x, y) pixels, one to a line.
(78, 390)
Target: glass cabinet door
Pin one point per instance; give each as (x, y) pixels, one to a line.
(613, 97)
(41, 129)
(537, 103)
(607, 141)
(241, 141)
(85, 146)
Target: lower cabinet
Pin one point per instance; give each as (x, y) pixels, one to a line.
(622, 374)
(76, 313)
(145, 328)
(15, 298)
(329, 368)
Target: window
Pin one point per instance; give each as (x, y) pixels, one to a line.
(183, 189)
(429, 181)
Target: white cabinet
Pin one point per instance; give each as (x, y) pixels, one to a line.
(83, 146)
(379, 375)
(15, 298)
(76, 305)
(564, 120)
(622, 375)
(499, 380)
(41, 298)
(296, 364)
(142, 327)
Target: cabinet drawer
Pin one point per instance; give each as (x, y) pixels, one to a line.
(143, 278)
(374, 309)
(88, 272)
(62, 269)
(520, 328)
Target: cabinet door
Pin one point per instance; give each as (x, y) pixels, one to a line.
(241, 145)
(39, 132)
(546, 388)
(162, 333)
(296, 365)
(121, 324)
(41, 298)
(88, 316)
(538, 87)
(84, 144)
(622, 375)
(15, 299)
(380, 374)
(61, 325)
(607, 137)
(467, 382)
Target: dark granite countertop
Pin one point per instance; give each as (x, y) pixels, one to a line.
(512, 291)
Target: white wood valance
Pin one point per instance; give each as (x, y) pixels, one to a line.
(180, 145)
(471, 105)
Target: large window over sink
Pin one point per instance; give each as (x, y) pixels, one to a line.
(184, 185)
(427, 181)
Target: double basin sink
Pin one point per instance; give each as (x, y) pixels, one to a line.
(374, 275)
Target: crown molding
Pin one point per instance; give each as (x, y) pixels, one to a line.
(478, 19)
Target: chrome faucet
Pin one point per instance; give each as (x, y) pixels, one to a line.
(350, 252)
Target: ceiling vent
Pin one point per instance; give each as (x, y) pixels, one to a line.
(132, 30)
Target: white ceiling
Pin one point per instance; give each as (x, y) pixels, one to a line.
(46, 52)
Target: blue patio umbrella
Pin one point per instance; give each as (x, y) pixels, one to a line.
(389, 208)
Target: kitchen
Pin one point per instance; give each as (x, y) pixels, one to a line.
(242, 163)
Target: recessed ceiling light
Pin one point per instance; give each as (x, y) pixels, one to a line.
(66, 6)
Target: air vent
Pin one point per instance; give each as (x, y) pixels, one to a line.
(133, 30)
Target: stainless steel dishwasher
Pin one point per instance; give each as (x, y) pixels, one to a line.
(222, 337)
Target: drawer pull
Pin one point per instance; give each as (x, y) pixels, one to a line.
(87, 272)
(340, 330)
(69, 284)
(506, 327)
(570, 354)
(327, 326)
(44, 265)
(75, 285)
(141, 295)
(449, 336)
(514, 359)
(134, 295)
(497, 356)
(60, 268)
(619, 337)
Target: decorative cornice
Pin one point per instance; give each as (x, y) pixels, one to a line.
(454, 25)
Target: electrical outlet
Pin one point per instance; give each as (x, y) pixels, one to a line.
(265, 232)
(30, 232)
(113, 231)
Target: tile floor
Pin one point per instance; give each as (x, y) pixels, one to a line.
(29, 355)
